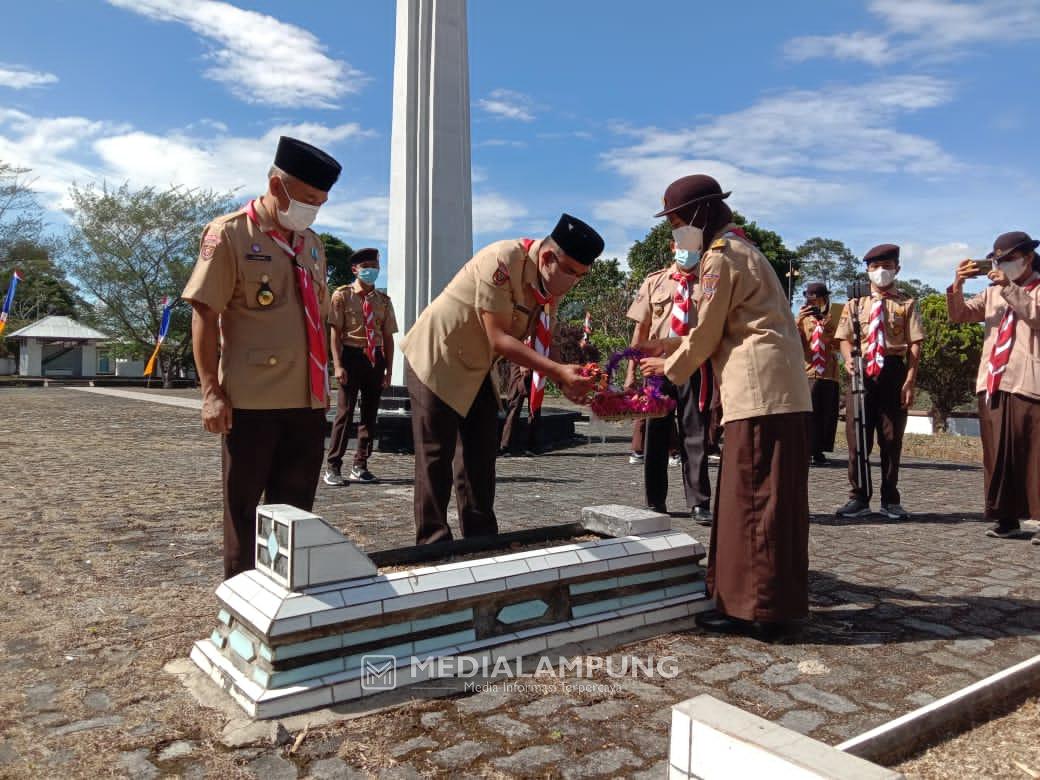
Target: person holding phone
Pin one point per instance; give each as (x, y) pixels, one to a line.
(816, 326)
(1008, 382)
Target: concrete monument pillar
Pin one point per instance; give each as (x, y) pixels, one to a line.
(431, 209)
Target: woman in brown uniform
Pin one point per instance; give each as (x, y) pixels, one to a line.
(759, 560)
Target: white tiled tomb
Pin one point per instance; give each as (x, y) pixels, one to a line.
(292, 633)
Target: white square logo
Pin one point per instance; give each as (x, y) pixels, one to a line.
(378, 672)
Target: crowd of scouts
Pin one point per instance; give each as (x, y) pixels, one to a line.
(716, 325)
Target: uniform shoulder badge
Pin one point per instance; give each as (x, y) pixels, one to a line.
(718, 243)
(501, 275)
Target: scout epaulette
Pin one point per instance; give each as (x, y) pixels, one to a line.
(718, 243)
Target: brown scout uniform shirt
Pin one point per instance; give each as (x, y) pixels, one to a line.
(263, 353)
(448, 348)
(1022, 374)
(654, 302)
(745, 325)
(348, 318)
(903, 325)
(806, 326)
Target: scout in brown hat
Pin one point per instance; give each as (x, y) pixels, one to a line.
(758, 564)
(816, 326)
(508, 291)
(1008, 386)
(361, 330)
(891, 333)
(259, 282)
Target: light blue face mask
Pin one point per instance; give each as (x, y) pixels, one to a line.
(368, 275)
(687, 259)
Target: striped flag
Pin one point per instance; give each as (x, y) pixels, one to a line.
(164, 326)
(8, 300)
(586, 330)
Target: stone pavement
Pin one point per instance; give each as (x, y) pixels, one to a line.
(111, 551)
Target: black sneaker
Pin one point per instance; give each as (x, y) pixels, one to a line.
(333, 477)
(659, 508)
(999, 531)
(854, 508)
(362, 474)
(820, 460)
(701, 515)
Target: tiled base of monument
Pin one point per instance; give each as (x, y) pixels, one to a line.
(315, 624)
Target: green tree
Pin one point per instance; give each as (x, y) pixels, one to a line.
(605, 292)
(338, 255)
(829, 261)
(949, 359)
(651, 254)
(44, 289)
(772, 246)
(21, 218)
(129, 248)
(915, 288)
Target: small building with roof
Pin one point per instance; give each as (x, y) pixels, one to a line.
(58, 346)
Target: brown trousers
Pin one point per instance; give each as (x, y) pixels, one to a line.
(758, 563)
(824, 424)
(452, 448)
(276, 453)
(1010, 430)
(366, 379)
(518, 393)
(688, 426)
(886, 416)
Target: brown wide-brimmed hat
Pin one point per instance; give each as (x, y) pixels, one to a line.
(689, 191)
(1007, 243)
(818, 289)
(882, 252)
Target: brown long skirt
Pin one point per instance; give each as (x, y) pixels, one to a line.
(758, 564)
(1009, 426)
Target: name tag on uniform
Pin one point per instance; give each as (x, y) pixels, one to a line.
(258, 258)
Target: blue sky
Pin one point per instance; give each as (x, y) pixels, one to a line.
(869, 121)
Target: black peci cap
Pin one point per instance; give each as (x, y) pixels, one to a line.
(577, 239)
(307, 163)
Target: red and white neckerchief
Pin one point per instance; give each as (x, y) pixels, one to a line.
(586, 329)
(680, 324)
(875, 353)
(819, 351)
(316, 350)
(541, 340)
(370, 325)
(1001, 353)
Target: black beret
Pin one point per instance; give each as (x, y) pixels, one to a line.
(577, 239)
(688, 191)
(1007, 243)
(817, 288)
(882, 252)
(365, 255)
(307, 163)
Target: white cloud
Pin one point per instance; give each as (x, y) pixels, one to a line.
(848, 46)
(926, 29)
(502, 142)
(494, 213)
(17, 77)
(66, 150)
(257, 57)
(507, 104)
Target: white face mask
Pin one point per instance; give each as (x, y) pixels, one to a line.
(882, 277)
(689, 238)
(1012, 268)
(299, 216)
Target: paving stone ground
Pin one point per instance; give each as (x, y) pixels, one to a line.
(110, 523)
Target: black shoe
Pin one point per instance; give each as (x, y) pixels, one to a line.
(1005, 532)
(820, 460)
(718, 623)
(661, 508)
(362, 474)
(701, 515)
(854, 508)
